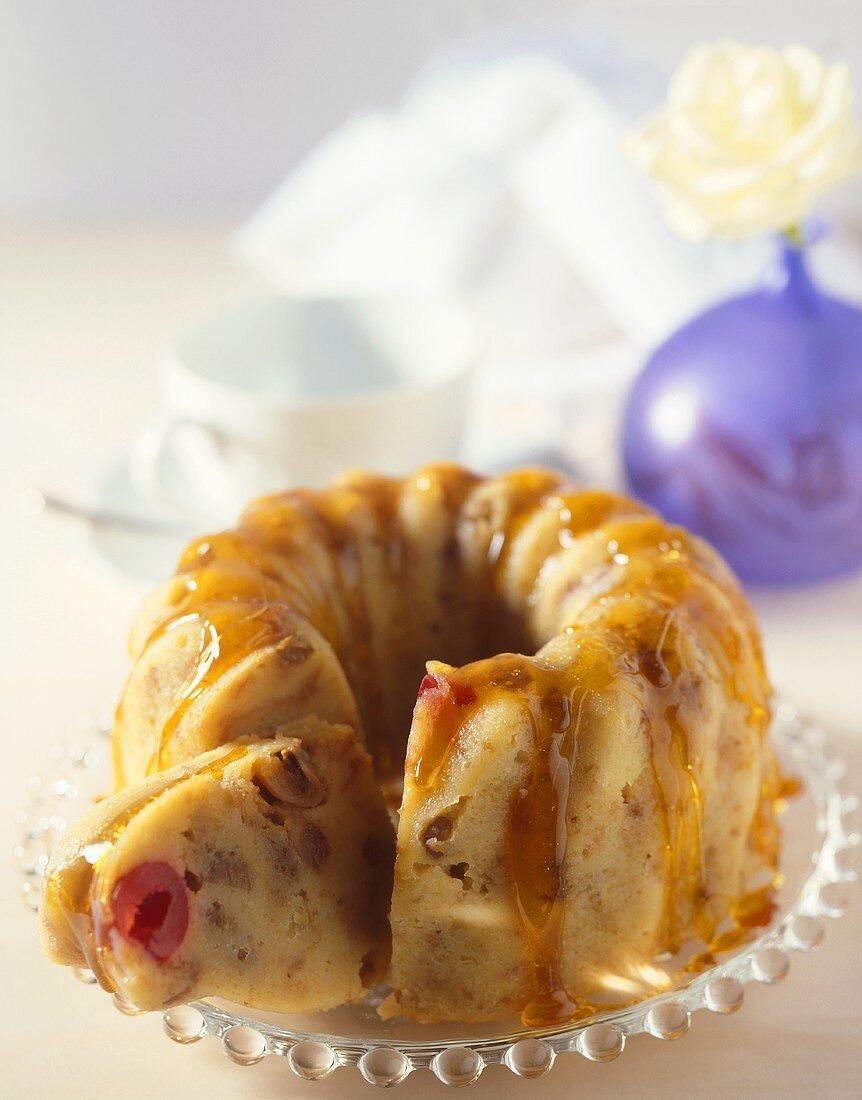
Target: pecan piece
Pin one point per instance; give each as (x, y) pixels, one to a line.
(435, 834)
(293, 650)
(287, 777)
(227, 869)
(313, 847)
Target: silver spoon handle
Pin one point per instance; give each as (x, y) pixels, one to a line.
(35, 502)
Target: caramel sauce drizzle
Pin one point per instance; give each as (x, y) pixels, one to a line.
(228, 633)
(248, 587)
(537, 842)
(245, 589)
(343, 518)
(636, 645)
(525, 491)
(306, 551)
(553, 700)
(537, 833)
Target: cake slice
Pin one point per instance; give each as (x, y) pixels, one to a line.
(259, 872)
(554, 838)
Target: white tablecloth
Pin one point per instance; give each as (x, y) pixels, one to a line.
(83, 317)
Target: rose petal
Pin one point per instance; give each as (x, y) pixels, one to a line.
(749, 138)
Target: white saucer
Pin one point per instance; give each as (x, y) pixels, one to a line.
(138, 555)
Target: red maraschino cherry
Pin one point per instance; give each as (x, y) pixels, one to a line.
(429, 683)
(462, 695)
(151, 907)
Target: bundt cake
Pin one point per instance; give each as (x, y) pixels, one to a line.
(588, 783)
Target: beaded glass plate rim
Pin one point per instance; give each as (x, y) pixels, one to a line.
(460, 1059)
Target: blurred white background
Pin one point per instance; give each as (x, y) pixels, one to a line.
(193, 111)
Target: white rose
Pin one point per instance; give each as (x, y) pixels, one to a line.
(748, 138)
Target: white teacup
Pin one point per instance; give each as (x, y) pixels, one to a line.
(281, 392)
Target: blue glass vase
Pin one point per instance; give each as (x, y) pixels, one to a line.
(746, 427)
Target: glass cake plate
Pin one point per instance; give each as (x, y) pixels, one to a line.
(816, 869)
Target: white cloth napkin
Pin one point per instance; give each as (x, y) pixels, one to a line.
(419, 201)
(506, 184)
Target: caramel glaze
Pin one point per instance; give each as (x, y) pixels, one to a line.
(317, 556)
(631, 640)
(250, 587)
(75, 889)
(538, 813)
